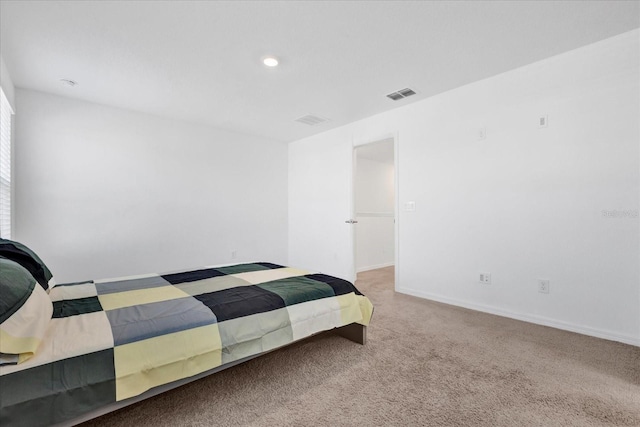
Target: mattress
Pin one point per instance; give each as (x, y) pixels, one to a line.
(111, 340)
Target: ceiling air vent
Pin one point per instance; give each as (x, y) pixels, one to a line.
(311, 120)
(401, 94)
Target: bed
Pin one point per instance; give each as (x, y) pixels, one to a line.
(74, 351)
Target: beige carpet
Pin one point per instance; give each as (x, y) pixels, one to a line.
(426, 364)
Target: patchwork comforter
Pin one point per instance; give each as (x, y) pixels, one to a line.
(110, 340)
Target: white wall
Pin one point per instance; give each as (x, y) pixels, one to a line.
(7, 83)
(104, 192)
(374, 205)
(525, 203)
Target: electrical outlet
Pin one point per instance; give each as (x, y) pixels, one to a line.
(543, 121)
(543, 286)
(484, 278)
(234, 254)
(482, 134)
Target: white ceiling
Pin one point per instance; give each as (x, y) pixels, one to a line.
(201, 61)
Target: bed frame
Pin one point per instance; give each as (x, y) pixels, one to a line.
(354, 332)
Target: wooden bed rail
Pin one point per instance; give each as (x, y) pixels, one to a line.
(354, 332)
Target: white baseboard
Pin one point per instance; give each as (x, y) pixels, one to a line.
(374, 267)
(539, 320)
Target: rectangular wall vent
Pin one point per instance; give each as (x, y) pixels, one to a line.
(401, 94)
(311, 120)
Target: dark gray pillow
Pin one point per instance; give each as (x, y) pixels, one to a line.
(16, 285)
(25, 313)
(28, 259)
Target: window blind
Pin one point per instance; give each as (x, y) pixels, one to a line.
(5, 166)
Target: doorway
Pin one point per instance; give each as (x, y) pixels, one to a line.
(374, 205)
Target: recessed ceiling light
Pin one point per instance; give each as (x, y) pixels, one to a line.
(270, 61)
(68, 82)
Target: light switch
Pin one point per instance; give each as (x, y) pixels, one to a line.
(410, 206)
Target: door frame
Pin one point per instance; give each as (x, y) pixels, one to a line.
(396, 203)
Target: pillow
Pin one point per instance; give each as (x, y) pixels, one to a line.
(25, 312)
(28, 259)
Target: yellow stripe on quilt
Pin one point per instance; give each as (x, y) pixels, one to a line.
(262, 276)
(25, 346)
(140, 296)
(349, 308)
(366, 308)
(145, 364)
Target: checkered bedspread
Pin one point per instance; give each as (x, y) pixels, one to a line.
(110, 340)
